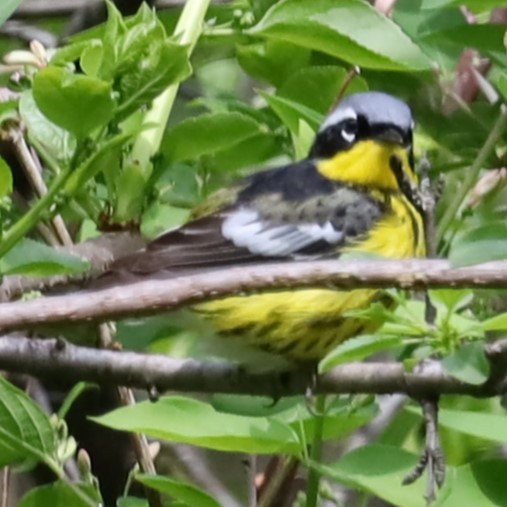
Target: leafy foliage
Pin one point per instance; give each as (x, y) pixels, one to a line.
(266, 73)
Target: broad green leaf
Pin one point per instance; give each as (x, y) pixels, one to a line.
(178, 490)
(379, 470)
(251, 151)
(207, 134)
(178, 419)
(317, 87)
(483, 37)
(62, 494)
(358, 348)
(468, 364)
(7, 7)
(5, 178)
(483, 425)
(160, 217)
(164, 65)
(452, 299)
(57, 141)
(272, 61)
(32, 258)
(131, 501)
(77, 103)
(351, 30)
(487, 242)
(291, 112)
(25, 430)
(496, 323)
(481, 484)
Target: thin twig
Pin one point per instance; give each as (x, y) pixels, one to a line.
(32, 171)
(5, 480)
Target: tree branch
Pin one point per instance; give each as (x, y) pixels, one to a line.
(53, 358)
(156, 295)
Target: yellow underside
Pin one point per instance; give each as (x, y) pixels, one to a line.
(306, 324)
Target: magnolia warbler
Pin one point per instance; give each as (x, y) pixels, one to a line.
(353, 193)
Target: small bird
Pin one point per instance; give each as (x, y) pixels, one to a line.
(355, 192)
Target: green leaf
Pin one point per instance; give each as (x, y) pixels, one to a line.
(483, 425)
(483, 37)
(32, 258)
(273, 61)
(131, 501)
(351, 30)
(73, 52)
(452, 299)
(303, 140)
(496, 323)
(339, 420)
(5, 178)
(130, 193)
(358, 348)
(207, 134)
(165, 64)
(57, 141)
(317, 87)
(25, 430)
(9, 110)
(95, 163)
(7, 7)
(178, 419)
(160, 217)
(251, 151)
(481, 484)
(468, 364)
(61, 494)
(379, 470)
(178, 490)
(485, 243)
(291, 112)
(77, 103)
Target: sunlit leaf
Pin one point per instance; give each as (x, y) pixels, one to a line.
(32, 258)
(208, 133)
(178, 490)
(76, 103)
(358, 348)
(487, 242)
(7, 7)
(350, 30)
(468, 364)
(178, 419)
(25, 430)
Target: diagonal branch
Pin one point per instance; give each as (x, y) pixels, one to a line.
(157, 295)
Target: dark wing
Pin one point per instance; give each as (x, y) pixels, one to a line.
(263, 224)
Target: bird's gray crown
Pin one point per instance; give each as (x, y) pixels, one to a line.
(376, 107)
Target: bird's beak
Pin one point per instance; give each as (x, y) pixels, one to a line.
(392, 135)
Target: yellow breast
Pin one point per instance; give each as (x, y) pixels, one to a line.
(306, 324)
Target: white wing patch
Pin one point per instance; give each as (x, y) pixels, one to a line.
(246, 229)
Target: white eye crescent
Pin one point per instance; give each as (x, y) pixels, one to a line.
(348, 132)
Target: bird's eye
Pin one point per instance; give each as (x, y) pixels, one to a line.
(349, 131)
